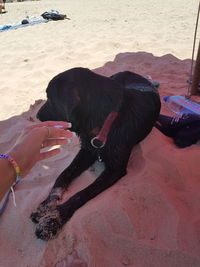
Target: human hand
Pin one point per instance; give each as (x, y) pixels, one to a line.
(27, 149)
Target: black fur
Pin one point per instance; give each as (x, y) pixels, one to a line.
(86, 99)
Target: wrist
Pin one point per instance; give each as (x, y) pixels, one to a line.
(7, 176)
(18, 163)
(11, 171)
(13, 163)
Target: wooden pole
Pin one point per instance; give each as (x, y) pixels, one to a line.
(196, 75)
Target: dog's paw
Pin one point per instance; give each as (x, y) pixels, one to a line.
(47, 205)
(48, 225)
(41, 211)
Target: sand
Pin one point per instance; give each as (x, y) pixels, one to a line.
(151, 216)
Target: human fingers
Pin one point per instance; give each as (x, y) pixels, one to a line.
(48, 154)
(59, 124)
(52, 132)
(54, 142)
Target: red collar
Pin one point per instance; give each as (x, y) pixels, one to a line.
(100, 140)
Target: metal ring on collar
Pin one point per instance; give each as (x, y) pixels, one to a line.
(93, 140)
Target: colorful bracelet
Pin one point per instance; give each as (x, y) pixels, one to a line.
(17, 170)
(14, 164)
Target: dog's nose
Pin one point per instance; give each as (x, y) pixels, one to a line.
(41, 114)
(38, 116)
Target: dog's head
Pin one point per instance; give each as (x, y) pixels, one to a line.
(81, 97)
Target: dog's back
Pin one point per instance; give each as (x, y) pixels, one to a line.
(131, 80)
(141, 102)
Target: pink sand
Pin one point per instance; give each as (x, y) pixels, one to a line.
(151, 217)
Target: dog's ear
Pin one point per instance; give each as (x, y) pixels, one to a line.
(96, 97)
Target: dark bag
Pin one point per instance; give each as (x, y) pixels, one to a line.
(53, 16)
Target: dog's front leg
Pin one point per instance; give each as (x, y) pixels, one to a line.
(81, 162)
(53, 221)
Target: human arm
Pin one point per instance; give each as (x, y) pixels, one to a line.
(27, 150)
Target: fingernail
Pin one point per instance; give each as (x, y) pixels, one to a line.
(69, 125)
(70, 132)
(58, 126)
(73, 134)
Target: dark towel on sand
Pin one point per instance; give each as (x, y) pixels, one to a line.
(185, 131)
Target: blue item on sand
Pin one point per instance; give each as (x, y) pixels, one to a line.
(181, 105)
(21, 25)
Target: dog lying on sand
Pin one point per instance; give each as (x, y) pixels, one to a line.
(110, 115)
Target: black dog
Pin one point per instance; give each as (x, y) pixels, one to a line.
(110, 115)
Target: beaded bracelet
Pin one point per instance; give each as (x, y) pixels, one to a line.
(17, 170)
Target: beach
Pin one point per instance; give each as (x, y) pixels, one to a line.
(94, 35)
(151, 217)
